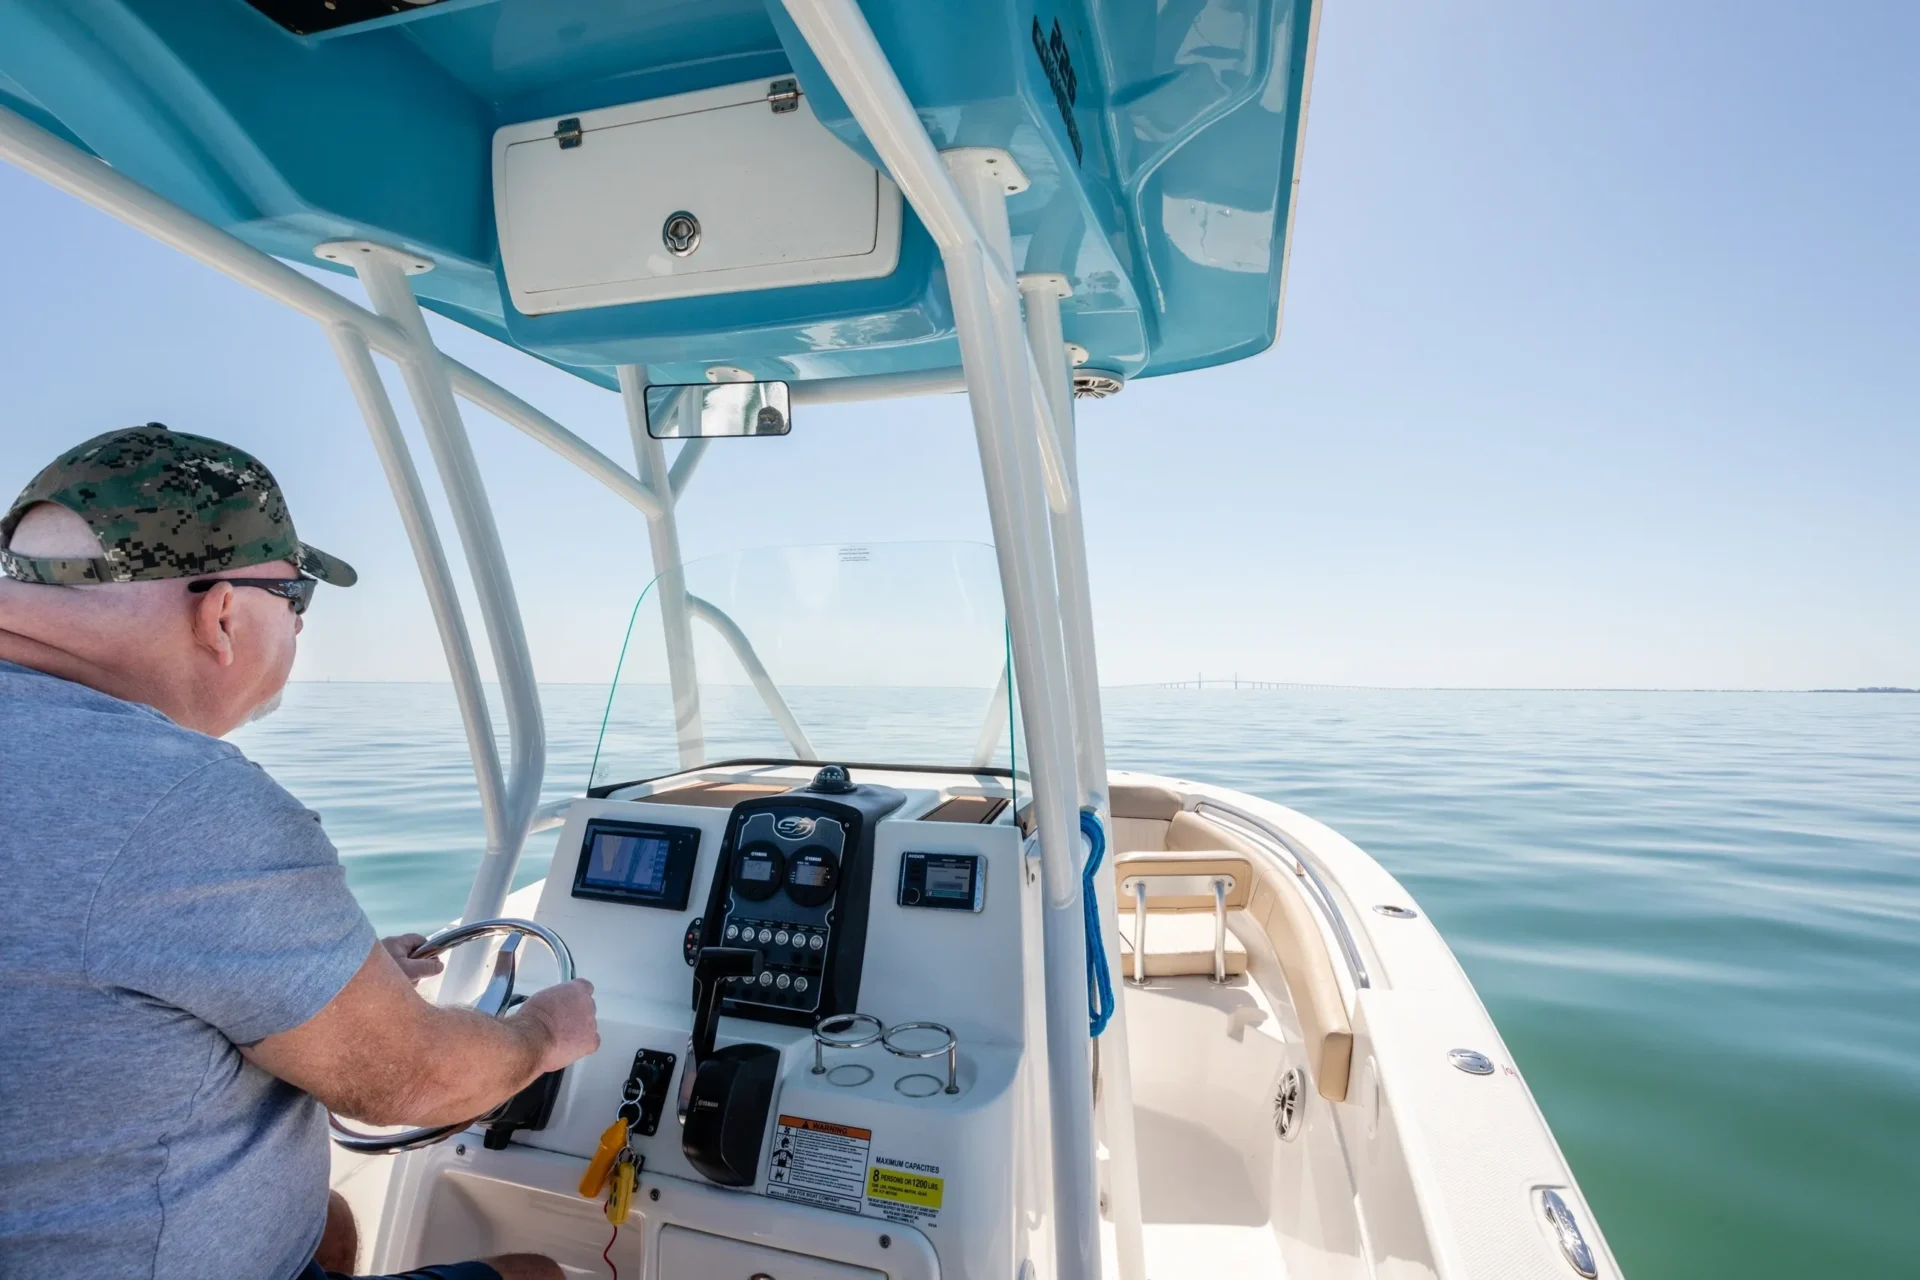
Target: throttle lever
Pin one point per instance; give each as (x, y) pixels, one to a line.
(711, 969)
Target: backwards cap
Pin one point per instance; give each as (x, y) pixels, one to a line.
(164, 504)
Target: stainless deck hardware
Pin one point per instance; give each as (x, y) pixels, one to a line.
(1566, 1230)
(951, 1048)
(567, 133)
(1471, 1061)
(1393, 912)
(1144, 886)
(681, 233)
(784, 96)
(836, 1031)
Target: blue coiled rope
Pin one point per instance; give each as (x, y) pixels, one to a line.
(1099, 982)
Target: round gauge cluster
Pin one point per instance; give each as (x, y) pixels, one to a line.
(812, 875)
(758, 870)
(809, 875)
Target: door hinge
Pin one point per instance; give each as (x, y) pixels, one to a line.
(784, 95)
(567, 133)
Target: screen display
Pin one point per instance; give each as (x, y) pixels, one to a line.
(640, 863)
(756, 870)
(811, 874)
(635, 863)
(945, 880)
(948, 881)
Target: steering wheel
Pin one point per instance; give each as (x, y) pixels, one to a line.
(494, 1001)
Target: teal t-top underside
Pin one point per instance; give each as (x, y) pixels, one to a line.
(1160, 136)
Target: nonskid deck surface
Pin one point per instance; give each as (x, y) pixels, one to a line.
(1206, 1186)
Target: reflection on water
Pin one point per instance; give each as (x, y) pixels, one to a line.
(1695, 917)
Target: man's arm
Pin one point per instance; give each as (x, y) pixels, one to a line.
(378, 1052)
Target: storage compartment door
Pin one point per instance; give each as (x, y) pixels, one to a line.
(695, 1255)
(778, 201)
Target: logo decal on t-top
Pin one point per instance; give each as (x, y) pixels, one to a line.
(1066, 85)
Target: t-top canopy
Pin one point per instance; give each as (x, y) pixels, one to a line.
(604, 182)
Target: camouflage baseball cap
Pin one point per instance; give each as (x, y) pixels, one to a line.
(164, 504)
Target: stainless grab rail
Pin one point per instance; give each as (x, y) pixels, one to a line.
(1249, 825)
(1144, 886)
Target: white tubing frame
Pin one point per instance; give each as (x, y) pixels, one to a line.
(961, 199)
(1025, 447)
(381, 270)
(743, 650)
(1042, 294)
(669, 575)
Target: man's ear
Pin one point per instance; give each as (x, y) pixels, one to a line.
(213, 622)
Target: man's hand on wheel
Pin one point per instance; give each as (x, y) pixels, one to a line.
(401, 946)
(566, 1012)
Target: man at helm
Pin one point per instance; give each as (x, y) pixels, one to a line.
(188, 981)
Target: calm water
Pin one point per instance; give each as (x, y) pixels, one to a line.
(1696, 917)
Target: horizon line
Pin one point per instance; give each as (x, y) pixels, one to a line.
(1263, 686)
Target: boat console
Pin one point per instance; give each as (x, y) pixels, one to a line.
(810, 994)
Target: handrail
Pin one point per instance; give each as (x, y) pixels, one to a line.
(1247, 824)
(715, 617)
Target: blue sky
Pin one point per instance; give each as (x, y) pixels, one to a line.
(1600, 367)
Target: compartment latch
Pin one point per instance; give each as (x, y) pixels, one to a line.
(567, 133)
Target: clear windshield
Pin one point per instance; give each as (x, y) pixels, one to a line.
(882, 653)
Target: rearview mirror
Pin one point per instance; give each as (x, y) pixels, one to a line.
(703, 410)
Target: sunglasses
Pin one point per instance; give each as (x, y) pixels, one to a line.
(297, 592)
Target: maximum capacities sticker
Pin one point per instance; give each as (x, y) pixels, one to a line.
(819, 1163)
(905, 1190)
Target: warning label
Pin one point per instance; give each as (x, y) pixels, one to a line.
(819, 1163)
(905, 1190)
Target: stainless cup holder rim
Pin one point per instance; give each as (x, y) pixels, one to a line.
(843, 1036)
(886, 1040)
(824, 1038)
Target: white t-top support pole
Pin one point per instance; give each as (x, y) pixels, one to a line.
(993, 352)
(1042, 294)
(669, 576)
(965, 212)
(384, 272)
(390, 445)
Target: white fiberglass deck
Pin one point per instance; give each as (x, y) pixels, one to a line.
(1205, 1062)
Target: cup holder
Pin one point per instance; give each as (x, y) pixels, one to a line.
(844, 1031)
(859, 1030)
(950, 1048)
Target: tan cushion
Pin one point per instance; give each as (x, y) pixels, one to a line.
(1279, 906)
(1141, 800)
(1137, 835)
(1260, 905)
(1191, 831)
(1308, 968)
(1190, 862)
(1179, 945)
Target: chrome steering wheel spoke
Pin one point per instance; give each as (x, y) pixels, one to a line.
(494, 1001)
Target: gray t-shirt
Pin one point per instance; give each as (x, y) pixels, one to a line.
(162, 900)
